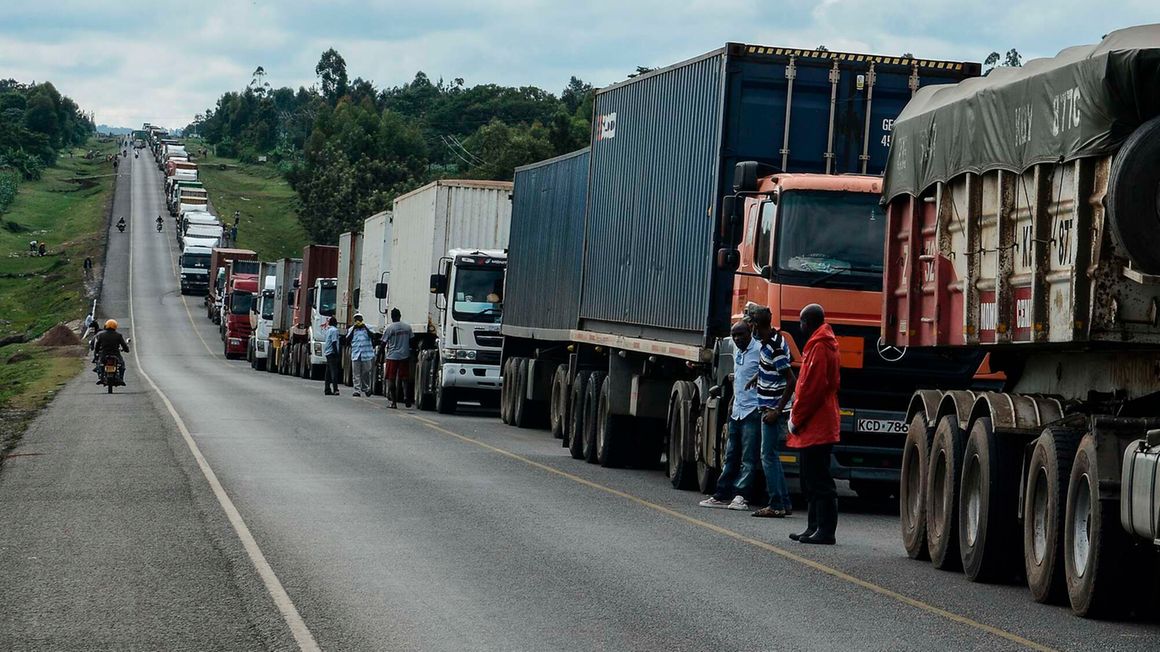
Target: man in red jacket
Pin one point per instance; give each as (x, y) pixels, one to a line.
(815, 424)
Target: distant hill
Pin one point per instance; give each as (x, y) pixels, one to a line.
(116, 131)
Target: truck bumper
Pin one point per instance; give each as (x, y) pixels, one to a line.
(261, 349)
(236, 345)
(468, 376)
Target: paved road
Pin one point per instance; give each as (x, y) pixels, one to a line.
(392, 530)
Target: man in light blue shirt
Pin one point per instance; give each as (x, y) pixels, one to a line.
(743, 446)
(333, 353)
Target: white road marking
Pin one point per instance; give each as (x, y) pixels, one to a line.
(294, 621)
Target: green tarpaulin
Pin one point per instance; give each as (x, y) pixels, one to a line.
(1083, 102)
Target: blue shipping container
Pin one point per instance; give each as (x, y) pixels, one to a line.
(664, 146)
(542, 291)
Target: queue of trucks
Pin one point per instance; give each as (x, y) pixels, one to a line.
(994, 285)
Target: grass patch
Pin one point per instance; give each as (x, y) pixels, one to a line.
(67, 209)
(27, 383)
(267, 204)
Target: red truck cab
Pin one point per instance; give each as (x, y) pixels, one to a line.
(239, 301)
(817, 238)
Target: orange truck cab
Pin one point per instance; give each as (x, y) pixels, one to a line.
(818, 238)
(239, 301)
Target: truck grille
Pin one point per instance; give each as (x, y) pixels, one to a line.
(486, 338)
(487, 357)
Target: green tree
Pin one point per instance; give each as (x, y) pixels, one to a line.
(331, 71)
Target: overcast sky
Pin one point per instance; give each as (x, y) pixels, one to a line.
(163, 61)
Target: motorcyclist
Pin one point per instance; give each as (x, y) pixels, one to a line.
(160, 222)
(110, 342)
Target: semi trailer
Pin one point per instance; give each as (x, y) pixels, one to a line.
(653, 240)
(1022, 221)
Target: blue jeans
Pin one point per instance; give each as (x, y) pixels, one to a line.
(742, 453)
(772, 443)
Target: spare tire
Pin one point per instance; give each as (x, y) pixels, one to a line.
(1133, 199)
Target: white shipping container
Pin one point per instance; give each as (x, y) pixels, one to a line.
(350, 246)
(376, 249)
(448, 214)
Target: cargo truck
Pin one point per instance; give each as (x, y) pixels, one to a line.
(286, 278)
(315, 303)
(242, 279)
(446, 271)
(1022, 221)
(373, 270)
(349, 273)
(262, 318)
(218, 258)
(194, 264)
(652, 243)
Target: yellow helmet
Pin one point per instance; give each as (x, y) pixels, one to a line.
(111, 324)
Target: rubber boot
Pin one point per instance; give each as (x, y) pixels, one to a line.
(827, 523)
(811, 522)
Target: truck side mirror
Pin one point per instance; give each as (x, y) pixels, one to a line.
(354, 302)
(728, 259)
(438, 284)
(380, 291)
(745, 177)
(310, 297)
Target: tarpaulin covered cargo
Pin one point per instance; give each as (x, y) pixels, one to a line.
(542, 287)
(1083, 102)
(664, 146)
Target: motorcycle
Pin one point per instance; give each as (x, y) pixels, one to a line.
(120, 227)
(159, 227)
(110, 373)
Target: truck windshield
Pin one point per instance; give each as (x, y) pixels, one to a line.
(830, 239)
(241, 303)
(267, 304)
(195, 261)
(478, 294)
(327, 299)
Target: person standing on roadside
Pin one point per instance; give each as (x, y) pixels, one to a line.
(397, 353)
(333, 354)
(775, 386)
(815, 424)
(743, 438)
(362, 356)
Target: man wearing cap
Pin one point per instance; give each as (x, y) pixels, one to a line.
(362, 356)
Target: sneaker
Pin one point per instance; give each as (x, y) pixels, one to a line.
(770, 512)
(739, 504)
(712, 501)
(356, 394)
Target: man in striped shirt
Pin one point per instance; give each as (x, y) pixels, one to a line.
(775, 384)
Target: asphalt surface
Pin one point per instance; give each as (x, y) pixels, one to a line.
(400, 530)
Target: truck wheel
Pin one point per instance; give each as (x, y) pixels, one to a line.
(558, 408)
(445, 400)
(609, 431)
(505, 391)
(424, 399)
(521, 411)
(1043, 506)
(912, 487)
(1132, 196)
(988, 518)
(707, 474)
(942, 493)
(592, 415)
(682, 471)
(575, 434)
(260, 364)
(1096, 551)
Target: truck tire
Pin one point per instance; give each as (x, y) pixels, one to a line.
(575, 434)
(707, 474)
(521, 410)
(682, 471)
(592, 414)
(260, 364)
(912, 486)
(558, 407)
(610, 431)
(1133, 196)
(505, 391)
(988, 517)
(445, 399)
(942, 493)
(1044, 503)
(423, 399)
(1096, 551)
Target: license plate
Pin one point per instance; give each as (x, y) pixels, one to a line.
(885, 426)
(110, 368)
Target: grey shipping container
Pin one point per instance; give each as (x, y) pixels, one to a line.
(542, 287)
(664, 146)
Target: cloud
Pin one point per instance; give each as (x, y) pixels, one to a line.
(134, 62)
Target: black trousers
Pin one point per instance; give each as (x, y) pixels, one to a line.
(816, 480)
(333, 373)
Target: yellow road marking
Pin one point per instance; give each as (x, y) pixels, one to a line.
(732, 534)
